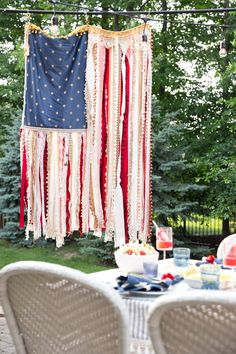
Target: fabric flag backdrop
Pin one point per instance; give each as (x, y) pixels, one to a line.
(86, 134)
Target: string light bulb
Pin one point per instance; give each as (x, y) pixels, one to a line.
(144, 44)
(144, 35)
(54, 26)
(234, 79)
(223, 49)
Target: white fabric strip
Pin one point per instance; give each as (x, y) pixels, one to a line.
(148, 148)
(113, 114)
(142, 235)
(96, 149)
(53, 188)
(36, 188)
(86, 180)
(75, 180)
(40, 145)
(41, 172)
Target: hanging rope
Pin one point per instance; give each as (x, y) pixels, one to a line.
(118, 13)
(136, 14)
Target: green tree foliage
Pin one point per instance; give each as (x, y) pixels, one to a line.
(193, 114)
(174, 195)
(10, 183)
(183, 57)
(94, 246)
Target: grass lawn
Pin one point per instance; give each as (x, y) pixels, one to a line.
(67, 256)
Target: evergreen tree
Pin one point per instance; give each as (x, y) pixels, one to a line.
(10, 183)
(173, 189)
(183, 57)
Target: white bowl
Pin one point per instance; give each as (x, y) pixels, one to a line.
(133, 263)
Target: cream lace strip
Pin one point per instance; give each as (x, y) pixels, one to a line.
(75, 181)
(61, 148)
(119, 223)
(134, 224)
(96, 56)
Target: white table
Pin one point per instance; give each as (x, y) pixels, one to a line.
(137, 307)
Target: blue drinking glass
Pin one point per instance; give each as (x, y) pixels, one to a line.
(181, 256)
(210, 276)
(150, 269)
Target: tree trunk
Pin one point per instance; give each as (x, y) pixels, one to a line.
(226, 96)
(225, 227)
(162, 89)
(105, 19)
(184, 230)
(116, 23)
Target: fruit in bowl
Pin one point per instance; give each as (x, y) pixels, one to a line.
(130, 257)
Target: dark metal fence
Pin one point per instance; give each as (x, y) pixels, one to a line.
(202, 230)
(198, 229)
(1, 221)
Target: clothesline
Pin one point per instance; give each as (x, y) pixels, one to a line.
(119, 13)
(136, 14)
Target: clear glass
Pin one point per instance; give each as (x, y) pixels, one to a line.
(181, 256)
(210, 276)
(164, 239)
(150, 269)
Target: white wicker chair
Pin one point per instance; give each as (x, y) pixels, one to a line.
(54, 309)
(221, 248)
(194, 322)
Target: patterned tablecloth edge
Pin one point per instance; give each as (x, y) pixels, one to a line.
(138, 346)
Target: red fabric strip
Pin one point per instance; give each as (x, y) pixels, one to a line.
(45, 177)
(104, 133)
(81, 185)
(125, 150)
(40, 192)
(23, 188)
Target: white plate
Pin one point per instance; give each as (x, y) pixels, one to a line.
(180, 287)
(195, 284)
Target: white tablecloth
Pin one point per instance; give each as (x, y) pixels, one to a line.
(137, 307)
